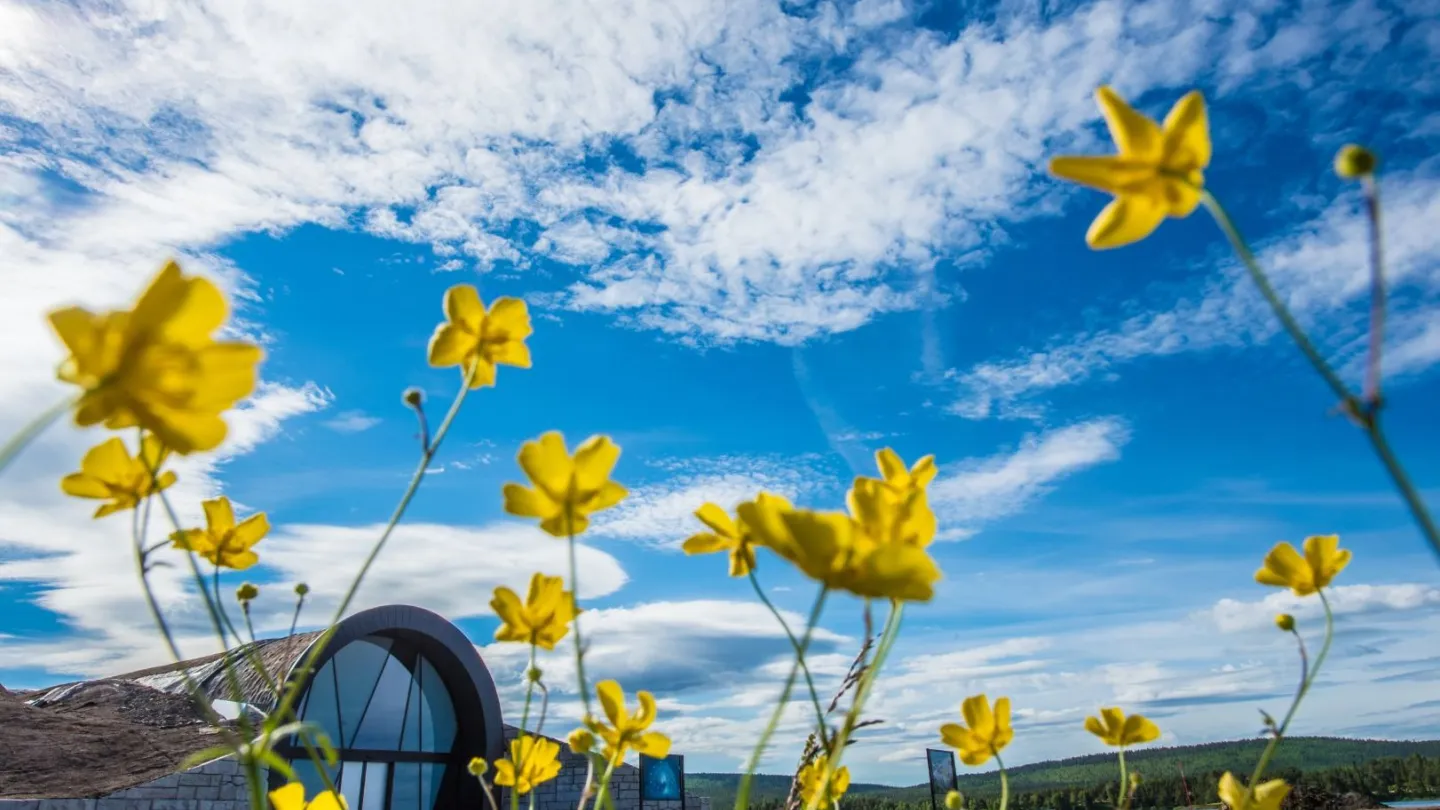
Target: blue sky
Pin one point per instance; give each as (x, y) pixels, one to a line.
(759, 242)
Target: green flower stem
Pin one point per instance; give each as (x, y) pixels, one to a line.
(524, 723)
(742, 796)
(1367, 416)
(295, 619)
(804, 667)
(589, 781)
(1004, 783)
(1371, 187)
(579, 644)
(292, 690)
(249, 626)
(871, 673)
(30, 432)
(1124, 782)
(603, 798)
(1299, 696)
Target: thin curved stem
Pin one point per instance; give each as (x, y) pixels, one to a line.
(31, 431)
(1124, 782)
(579, 644)
(742, 796)
(1371, 187)
(1305, 685)
(800, 656)
(1004, 783)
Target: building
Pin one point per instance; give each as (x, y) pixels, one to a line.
(402, 693)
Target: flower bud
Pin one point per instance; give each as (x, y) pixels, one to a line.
(581, 741)
(1353, 162)
(413, 397)
(1285, 622)
(246, 592)
(533, 674)
(1136, 780)
(954, 800)
(478, 767)
(302, 589)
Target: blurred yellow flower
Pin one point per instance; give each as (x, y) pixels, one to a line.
(1285, 622)
(626, 732)
(821, 785)
(907, 486)
(901, 479)
(156, 365)
(1114, 728)
(1157, 173)
(532, 761)
(223, 542)
(581, 741)
(472, 335)
(544, 617)
(890, 518)
(1267, 795)
(725, 535)
(836, 551)
(1285, 568)
(247, 592)
(567, 490)
(986, 732)
(292, 797)
(477, 767)
(109, 472)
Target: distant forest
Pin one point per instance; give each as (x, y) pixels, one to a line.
(1387, 770)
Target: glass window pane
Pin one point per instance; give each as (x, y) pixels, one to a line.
(352, 775)
(437, 727)
(430, 776)
(358, 664)
(414, 707)
(380, 729)
(405, 794)
(374, 798)
(320, 706)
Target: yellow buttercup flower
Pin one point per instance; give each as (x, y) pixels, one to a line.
(567, 490)
(725, 535)
(821, 785)
(156, 365)
(1285, 568)
(292, 797)
(1267, 795)
(891, 518)
(532, 762)
(903, 479)
(109, 472)
(1114, 728)
(626, 732)
(986, 732)
(542, 619)
(1158, 172)
(470, 334)
(908, 487)
(581, 741)
(223, 542)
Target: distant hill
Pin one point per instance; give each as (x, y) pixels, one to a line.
(1299, 753)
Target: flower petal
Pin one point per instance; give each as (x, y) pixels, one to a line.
(1135, 135)
(612, 698)
(449, 345)
(1109, 173)
(510, 316)
(522, 501)
(219, 515)
(653, 744)
(1187, 134)
(594, 461)
(251, 530)
(464, 308)
(717, 519)
(289, 797)
(548, 465)
(1125, 220)
(702, 543)
(81, 485)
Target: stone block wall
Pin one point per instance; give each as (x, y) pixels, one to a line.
(563, 792)
(216, 785)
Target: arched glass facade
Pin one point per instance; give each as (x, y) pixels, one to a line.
(393, 722)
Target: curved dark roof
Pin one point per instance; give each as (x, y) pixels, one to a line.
(91, 738)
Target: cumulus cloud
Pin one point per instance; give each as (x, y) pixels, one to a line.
(1231, 615)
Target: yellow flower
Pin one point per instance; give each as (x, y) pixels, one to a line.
(223, 542)
(472, 335)
(532, 761)
(292, 797)
(477, 767)
(626, 732)
(901, 479)
(1158, 172)
(156, 366)
(836, 551)
(1267, 795)
(907, 486)
(1285, 622)
(109, 472)
(581, 741)
(1284, 568)
(954, 800)
(890, 518)
(986, 733)
(566, 489)
(821, 785)
(1114, 728)
(543, 619)
(725, 535)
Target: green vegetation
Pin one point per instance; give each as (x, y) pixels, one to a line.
(1386, 769)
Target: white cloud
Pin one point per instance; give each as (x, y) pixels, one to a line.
(352, 422)
(986, 489)
(1320, 268)
(1231, 615)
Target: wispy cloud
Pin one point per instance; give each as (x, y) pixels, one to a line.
(351, 422)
